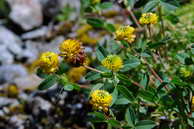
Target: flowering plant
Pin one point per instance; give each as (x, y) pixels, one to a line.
(137, 79)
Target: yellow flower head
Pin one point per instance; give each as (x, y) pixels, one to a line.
(72, 51)
(148, 18)
(100, 100)
(185, 72)
(76, 73)
(48, 62)
(113, 62)
(125, 33)
(95, 1)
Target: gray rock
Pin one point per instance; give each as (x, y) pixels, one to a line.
(6, 57)
(17, 121)
(30, 52)
(40, 32)
(11, 47)
(28, 82)
(10, 40)
(39, 47)
(53, 45)
(9, 72)
(7, 101)
(38, 104)
(26, 13)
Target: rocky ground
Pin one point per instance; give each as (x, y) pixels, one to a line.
(28, 28)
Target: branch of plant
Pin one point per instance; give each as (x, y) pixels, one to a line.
(98, 71)
(161, 20)
(92, 69)
(130, 12)
(137, 84)
(84, 86)
(155, 74)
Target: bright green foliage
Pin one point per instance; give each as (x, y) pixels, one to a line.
(155, 85)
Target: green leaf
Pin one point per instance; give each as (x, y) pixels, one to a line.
(130, 117)
(130, 65)
(167, 6)
(68, 87)
(91, 76)
(124, 43)
(167, 101)
(97, 86)
(48, 82)
(98, 115)
(163, 84)
(145, 124)
(63, 67)
(150, 5)
(41, 74)
(101, 53)
(144, 80)
(114, 96)
(109, 27)
(114, 123)
(147, 95)
(75, 86)
(125, 92)
(159, 43)
(105, 5)
(124, 79)
(129, 3)
(122, 101)
(107, 75)
(96, 22)
(178, 81)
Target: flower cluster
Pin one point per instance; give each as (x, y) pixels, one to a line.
(72, 51)
(100, 100)
(125, 33)
(48, 62)
(113, 62)
(148, 18)
(76, 73)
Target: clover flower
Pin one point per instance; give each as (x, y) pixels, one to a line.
(72, 51)
(112, 62)
(48, 62)
(76, 73)
(100, 100)
(148, 18)
(125, 33)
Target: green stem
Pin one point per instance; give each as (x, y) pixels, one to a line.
(161, 20)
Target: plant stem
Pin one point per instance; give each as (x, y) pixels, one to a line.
(155, 74)
(84, 86)
(161, 20)
(149, 30)
(92, 69)
(137, 84)
(134, 18)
